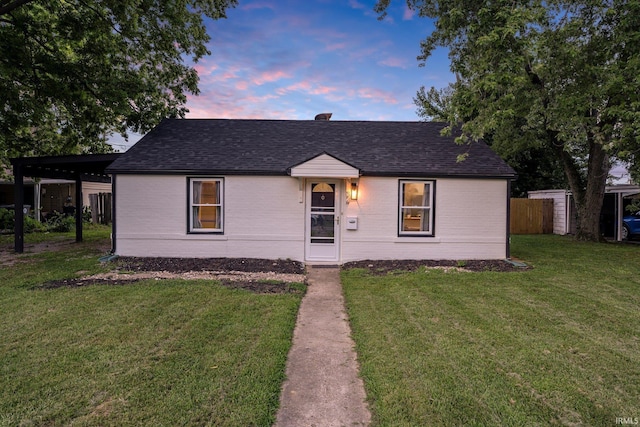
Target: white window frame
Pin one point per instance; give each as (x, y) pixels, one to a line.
(190, 205)
(428, 206)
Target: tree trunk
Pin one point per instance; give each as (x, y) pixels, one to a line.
(589, 195)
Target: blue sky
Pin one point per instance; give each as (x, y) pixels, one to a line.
(291, 59)
(279, 59)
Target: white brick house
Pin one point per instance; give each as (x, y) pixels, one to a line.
(312, 191)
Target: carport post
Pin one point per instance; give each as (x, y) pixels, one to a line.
(619, 217)
(78, 208)
(18, 208)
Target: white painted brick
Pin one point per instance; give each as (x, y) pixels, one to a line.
(265, 219)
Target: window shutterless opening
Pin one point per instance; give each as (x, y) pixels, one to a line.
(415, 208)
(206, 205)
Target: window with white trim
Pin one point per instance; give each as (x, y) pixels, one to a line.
(415, 216)
(205, 205)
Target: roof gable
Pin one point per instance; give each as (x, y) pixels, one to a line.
(273, 147)
(324, 165)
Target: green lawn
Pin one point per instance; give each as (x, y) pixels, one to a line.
(149, 354)
(558, 344)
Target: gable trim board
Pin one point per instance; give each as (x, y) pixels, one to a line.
(268, 208)
(324, 165)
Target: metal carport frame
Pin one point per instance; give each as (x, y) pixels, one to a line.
(84, 167)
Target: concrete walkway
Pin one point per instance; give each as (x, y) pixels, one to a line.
(323, 388)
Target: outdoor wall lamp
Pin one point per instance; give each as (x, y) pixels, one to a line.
(354, 190)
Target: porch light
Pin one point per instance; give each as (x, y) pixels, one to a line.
(354, 190)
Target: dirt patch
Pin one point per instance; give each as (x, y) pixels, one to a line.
(382, 267)
(9, 257)
(256, 286)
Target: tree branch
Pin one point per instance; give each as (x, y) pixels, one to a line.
(7, 8)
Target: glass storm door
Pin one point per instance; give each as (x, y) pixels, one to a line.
(322, 221)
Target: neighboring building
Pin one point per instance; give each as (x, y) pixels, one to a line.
(314, 191)
(563, 209)
(616, 199)
(47, 195)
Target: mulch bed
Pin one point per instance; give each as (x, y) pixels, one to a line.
(183, 265)
(250, 265)
(382, 267)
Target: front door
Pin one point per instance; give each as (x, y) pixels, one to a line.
(323, 220)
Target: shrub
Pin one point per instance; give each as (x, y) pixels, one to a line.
(86, 214)
(55, 222)
(32, 225)
(7, 222)
(6, 219)
(60, 222)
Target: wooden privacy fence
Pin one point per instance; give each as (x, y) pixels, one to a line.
(100, 208)
(531, 216)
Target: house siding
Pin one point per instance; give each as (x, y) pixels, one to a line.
(470, 222)
(263, 218)
(93, 188)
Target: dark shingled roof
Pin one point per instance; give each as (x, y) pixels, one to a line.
(272, 147)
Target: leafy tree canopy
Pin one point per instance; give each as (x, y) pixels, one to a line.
(537, 169)
(72, 72)
(558, 76)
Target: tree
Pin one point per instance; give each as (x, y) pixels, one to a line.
(73, 72)
(536, 168)
(435, 104)
(558, 76)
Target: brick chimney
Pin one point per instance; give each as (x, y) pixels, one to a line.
(323, 116)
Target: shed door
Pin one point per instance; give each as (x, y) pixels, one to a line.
(323, 220)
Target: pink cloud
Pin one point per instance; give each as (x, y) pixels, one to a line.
(323, 90)
(377, 95)
(212, 74)
(257, 5)
(306, 87)
(205, 68)
(240, 112)
(270, 76)
(229, 74)
(394, 62)
(363, 53)
(302, 86)
(355, 4)
(408, 13)
(242, 85)
(230, 105)
(335, 46)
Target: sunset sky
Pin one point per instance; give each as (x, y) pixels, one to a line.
(280, 59)
(291, 59)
